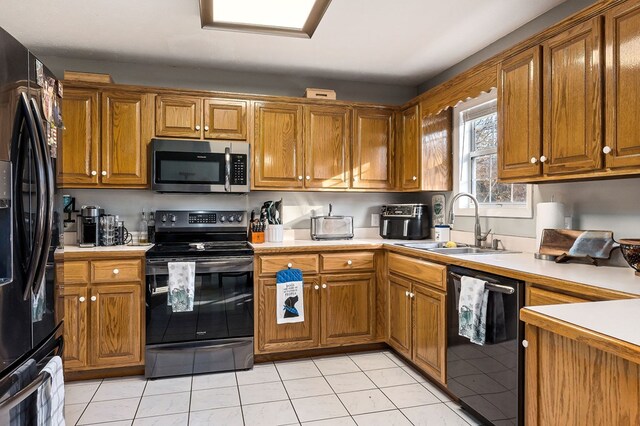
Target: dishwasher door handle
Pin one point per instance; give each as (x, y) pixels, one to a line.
(499, 288)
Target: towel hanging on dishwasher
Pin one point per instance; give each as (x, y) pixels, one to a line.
(474, 298)
(289, 296)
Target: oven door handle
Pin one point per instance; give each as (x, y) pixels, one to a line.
(227, 170)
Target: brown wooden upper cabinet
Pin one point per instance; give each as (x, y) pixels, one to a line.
(572, 100)
(105, 138)
(410, 148)
(622, 31)
(436, 136)
(519, 115)
(373, 148)
(200, 118)
(278, 153)
(327, 145)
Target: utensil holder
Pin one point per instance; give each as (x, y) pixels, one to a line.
(275, 233)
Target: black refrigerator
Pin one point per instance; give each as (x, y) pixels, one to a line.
(30, 125)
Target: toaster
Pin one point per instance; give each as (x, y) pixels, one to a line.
(331, 227)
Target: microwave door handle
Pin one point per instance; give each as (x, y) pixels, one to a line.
(227, 169)
(48, 174)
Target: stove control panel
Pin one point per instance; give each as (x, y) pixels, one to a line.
(198, 219)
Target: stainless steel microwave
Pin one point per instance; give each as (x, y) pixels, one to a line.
(199, 166)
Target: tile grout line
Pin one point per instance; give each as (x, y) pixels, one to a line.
(235, 374)
(287, 392)
(91, 399)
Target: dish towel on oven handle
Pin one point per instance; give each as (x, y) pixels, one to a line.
(50, 400)
(182, 278)
(289, 296)
(474, 298)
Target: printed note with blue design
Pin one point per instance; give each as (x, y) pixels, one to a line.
(289, 296)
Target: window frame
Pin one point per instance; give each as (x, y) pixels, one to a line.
(462, 164)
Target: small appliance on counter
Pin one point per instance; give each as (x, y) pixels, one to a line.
(405, 222)
(331, 227)
(89, 226)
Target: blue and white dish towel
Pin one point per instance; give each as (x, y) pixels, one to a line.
(182, 278)
(472, 313)
(289, 296)
(50, 399)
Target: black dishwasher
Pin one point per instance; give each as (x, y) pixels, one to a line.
(488, 379)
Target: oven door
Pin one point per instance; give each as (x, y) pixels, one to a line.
(222, 307)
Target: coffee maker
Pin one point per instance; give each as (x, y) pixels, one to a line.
(405, 221)
(88, 222)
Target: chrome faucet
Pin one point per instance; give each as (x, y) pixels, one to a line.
(479, 238)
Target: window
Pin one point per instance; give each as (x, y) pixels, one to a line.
(476, 148)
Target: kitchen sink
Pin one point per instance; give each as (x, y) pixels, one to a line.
(438, 247)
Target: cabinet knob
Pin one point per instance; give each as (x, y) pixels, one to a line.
(406, 293)
(289, 265)
(349, 262)
(81, 299)
(317, 287)
(299, 177)
(525, 343)
(104, 173)
(324, 286)
(116, 271)
(197, 127)
(606, 149)
(355, 178)
(93, 173)
(534, 160)
(206, 128)
(94, 298)
(543, 159)
(412, 295)
(308, 177)
(415, 178)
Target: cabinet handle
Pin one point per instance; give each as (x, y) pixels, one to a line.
(317, 287)
(543, 159)
(94, 298)
(299, 177)
(197, 127)
(534, 160)
(349, 262)
(324, 286)
(415, 178)
(355, 178)
(116, 271)
(525, 343)
(289, 265)
(206, 128)
(94, 173)
(412, 295)
(406, 293)
(606, 149)
(308, 178)
(81, 299)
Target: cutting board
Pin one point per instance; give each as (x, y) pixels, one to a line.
(577, 243)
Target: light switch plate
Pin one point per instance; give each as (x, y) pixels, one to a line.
(375, 219)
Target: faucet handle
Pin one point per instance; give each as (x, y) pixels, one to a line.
(483, 237)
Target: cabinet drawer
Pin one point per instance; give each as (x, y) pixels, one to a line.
(344, 262)
(308, 263)
(121, 270)
(419, 270)
(537, 296)
(72, 272)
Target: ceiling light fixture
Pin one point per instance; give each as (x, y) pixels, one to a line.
(293, 18)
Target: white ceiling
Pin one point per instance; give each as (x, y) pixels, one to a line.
(385, 41)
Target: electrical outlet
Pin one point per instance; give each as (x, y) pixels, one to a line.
(375, 219)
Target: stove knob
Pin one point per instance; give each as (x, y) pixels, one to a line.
(173, 218)
(164, 218)
(239, 218)
(232, 218)
(223, 219)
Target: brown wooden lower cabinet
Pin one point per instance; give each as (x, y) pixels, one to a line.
(535, 296)
(103, 320)
(417, 321)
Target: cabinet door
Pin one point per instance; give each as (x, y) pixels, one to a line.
(79, 158)
(436, 155)
(519, 123)
(347, 306)
(225, 119)
(178, 116)
(410, 161)
(572, 100)
(75, 308)
(116, 325)
(127, 128)
(277, 153)
(327, 141)
(274, 337)
(622, 30)
(400, 315)
(429, 335)
(373, 149)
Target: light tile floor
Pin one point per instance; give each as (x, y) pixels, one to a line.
(373, 388)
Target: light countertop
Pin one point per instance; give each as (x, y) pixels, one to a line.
(616, 318)
(76, 249)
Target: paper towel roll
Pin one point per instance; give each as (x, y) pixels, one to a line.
(548, 216)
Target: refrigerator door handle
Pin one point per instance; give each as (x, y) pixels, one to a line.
(48, 174)
(38, 240)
